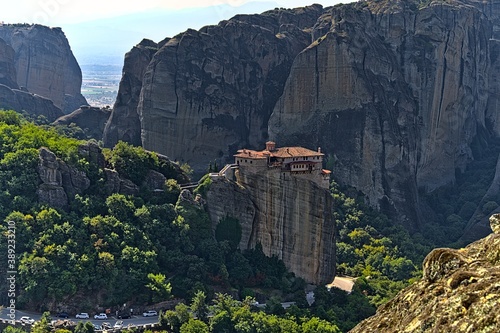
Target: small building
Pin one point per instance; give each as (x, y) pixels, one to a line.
(292, 160)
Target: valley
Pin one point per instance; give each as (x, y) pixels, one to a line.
(100, 84)
(347, 155)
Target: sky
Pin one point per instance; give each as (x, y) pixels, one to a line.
(60, 12)
(102, 31)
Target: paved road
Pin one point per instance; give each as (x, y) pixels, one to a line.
(345, 283)
(135, 320)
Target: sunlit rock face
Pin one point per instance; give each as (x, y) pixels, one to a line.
(458, 293)
(290, 217)
(45, 64)
(206, 93)
(394, 92)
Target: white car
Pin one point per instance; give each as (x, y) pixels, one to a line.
(118, 325)
(82, 315)
(150, 313)
(27, 320)
(101, 316)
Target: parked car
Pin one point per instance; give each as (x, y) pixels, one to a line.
(118, 325)
(27, 320)
(97, 328)
(124, 315)
(62, 315)
(101, 316)
(150, 313)
(106, 326)
(82, 315)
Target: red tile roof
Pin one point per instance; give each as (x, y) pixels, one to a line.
(252, 154)
(282, 152)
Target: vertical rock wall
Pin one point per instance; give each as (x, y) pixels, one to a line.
(291, 217)
(393, 94)
(124, 123)
(206, 93)
(45, 64)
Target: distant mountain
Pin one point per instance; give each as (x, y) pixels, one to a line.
(105, 41)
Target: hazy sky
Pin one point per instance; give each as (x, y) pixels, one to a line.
(60, 12)
(102, 31)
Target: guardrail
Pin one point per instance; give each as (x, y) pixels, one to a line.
(108, 330)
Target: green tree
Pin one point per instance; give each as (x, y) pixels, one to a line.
(161, 288)
(199, 306)
(42, 325)
(120, 207)
(194, 326)
(316, 325)
(132, 162)
(13, 329)
(86, 327)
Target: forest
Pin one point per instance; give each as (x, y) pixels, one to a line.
(111, 249)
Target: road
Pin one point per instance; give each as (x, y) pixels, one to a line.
(135, 320)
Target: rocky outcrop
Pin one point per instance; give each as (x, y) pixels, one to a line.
(7, 69)
(91, 119)
(290, 217)
(394, 94)
(58, 180)
(124, 123)
(45, 64)
(35, 105)
(458, 293)
(115, 184)
(205, 93)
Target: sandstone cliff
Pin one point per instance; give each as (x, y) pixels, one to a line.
(44, 64)
(206, 93)
(393, 91)
(394, 94)
(458, 293)
(124, 123)
(290, 217)
(13, 98)
(7, 69)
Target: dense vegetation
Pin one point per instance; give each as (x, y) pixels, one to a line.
(110, 249)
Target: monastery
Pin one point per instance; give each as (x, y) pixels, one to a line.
(289, 161)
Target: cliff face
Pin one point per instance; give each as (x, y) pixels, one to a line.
(206, 93)
(291, 217)
(124, 123)
(458, 293)
(394, 94)
(7, 69)
(44, 64)
(13, 98)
